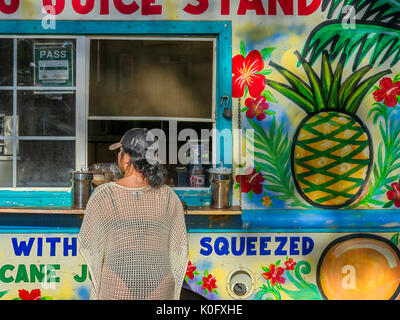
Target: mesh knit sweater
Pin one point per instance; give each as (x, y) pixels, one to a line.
(134, 242)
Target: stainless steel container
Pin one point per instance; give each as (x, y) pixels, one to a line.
(81, 188)
(221, 190)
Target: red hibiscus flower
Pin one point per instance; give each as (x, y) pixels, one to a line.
(209, 283)
(256, 108)
(244, 72)
(26, 295)
(289, 264)
(190, 269)
(250, 181)
(274, 274)
(387, 92)
(394, 194)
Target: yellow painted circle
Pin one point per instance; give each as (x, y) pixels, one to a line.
(360, 268)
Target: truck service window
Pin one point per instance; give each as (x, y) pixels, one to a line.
(151, 83)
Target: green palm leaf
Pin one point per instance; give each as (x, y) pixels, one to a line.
(375, 30)
(380, 38)
(377, 10)
(271, 147)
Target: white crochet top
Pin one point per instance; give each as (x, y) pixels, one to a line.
(134, 242)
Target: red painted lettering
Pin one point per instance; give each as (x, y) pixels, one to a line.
(104, 7)
(225, 7)
(9, 8)
(305, 10)
(149, 8)
(83, 9)
(199, 9)
(245, 5)
(287, 7)
(126, 8)
(58, 7)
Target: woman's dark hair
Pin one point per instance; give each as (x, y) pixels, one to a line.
(142, 161)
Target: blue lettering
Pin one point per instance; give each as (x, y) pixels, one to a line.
(241, 248)
(221, 250)
(251, 246)
(294, 246)
(307, 245)
(39, 246)
(263, 246)
(68, 246)
(282, 241)
(237, 246)
(205, 242)
(22, 247)
(53, 242)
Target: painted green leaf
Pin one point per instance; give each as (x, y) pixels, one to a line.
(395, 239)
(306, 290)
(269, 96)
(265, 72)
(250, 194)
(266, 52)
(333, 99)
(2, 293)
(354, 100)
(326, 74)
(246, 91)
(298, 85)
(351, 82)
(288, 92)
(267, 293)
(265, 268)
(389, 204)
(315, 82)
(242, 48)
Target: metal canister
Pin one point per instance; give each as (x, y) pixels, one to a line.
(81, 188)
(221, 190)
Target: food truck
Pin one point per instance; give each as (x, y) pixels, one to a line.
(298, 99)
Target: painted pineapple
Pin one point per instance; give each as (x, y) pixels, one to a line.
(332, 152)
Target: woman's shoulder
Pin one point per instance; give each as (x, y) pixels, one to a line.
(170, 192)
(167, 189)
(101, 190)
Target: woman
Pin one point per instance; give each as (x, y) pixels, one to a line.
(133, 235)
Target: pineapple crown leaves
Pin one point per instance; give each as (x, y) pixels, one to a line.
(360, 27)
(326, 91)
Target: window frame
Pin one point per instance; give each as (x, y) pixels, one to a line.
(212, 119)
(81, 31)
(15, 89)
